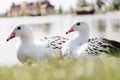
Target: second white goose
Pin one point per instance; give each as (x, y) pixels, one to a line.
(81, 46)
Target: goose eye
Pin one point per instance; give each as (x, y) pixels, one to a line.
(78, 24)
(18, 28)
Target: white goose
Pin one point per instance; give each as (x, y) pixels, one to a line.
(81, 46)
(28, 50)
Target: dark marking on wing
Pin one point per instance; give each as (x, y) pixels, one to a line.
(63, 41)
(114, 43)
(98, 45)
(59, 43)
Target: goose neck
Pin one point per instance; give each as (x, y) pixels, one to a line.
(81, 38)
(27, 40)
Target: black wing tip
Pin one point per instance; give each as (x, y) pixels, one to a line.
(114, 43)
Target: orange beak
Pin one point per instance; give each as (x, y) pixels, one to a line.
(12, 35)
(69, 31)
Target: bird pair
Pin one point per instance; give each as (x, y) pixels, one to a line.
(80, 46)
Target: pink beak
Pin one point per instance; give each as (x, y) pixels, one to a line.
(70, 30)
(12, 35)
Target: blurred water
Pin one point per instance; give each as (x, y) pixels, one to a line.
(107, 25)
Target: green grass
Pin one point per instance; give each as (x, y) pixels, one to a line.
(106, 69)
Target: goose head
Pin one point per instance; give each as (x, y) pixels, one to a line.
(22, 31)
(80, 27)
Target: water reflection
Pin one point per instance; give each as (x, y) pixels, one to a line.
(46, 27)
(116, 25)
(101, 25)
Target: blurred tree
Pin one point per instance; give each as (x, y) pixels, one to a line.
(99, 3)
(81, 3)
(116, 4)
(60, 11)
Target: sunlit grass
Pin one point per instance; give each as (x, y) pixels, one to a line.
(67, 69)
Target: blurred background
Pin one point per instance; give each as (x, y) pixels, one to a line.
(54, 17)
